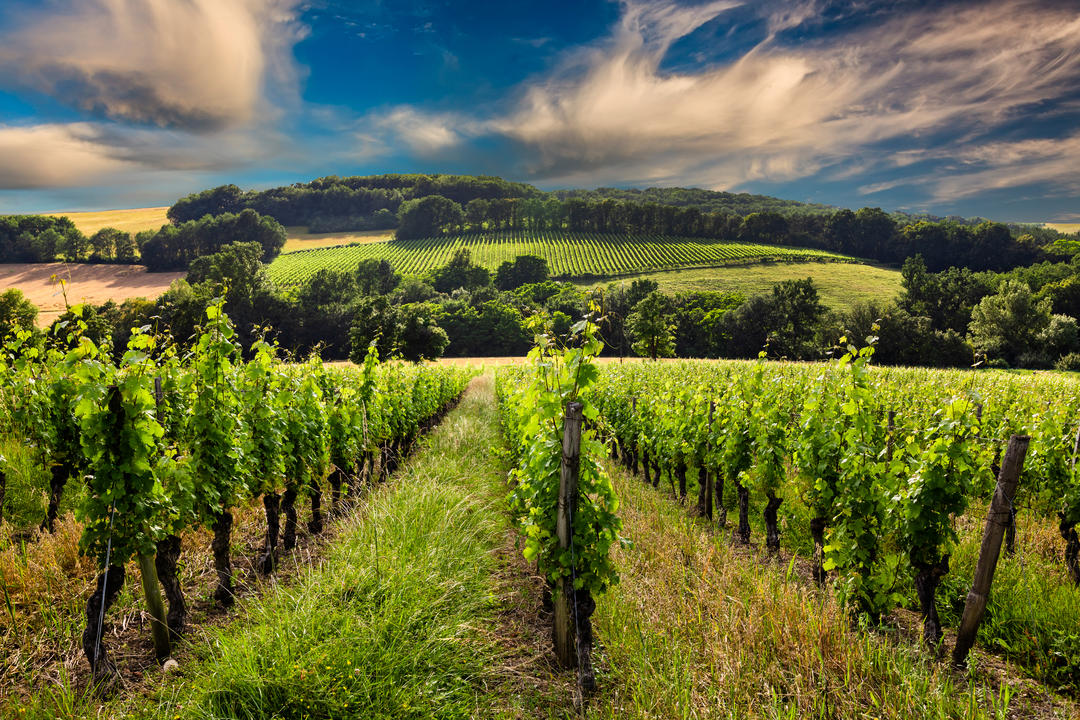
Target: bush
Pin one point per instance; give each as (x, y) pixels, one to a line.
(1069, 362)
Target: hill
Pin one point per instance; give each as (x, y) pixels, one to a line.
(713, 201)
(569, 255)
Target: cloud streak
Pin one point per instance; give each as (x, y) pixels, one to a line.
(944, 76)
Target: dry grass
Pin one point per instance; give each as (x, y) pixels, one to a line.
(700, 628)
(1064, 227)
(132, 221)
(301, 239)
(840, 285)
(48, 582)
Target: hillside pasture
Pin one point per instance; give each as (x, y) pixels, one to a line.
(840, 285)
(85, 283)
(569, 255)
(1067, 228)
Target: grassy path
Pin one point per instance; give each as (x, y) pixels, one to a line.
(396, 622)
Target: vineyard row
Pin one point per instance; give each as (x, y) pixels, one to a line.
(568, 254)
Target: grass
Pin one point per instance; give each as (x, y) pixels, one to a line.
(700, 628)
(132, 221)
(840, 285)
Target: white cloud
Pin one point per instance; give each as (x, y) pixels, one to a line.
(192, 64)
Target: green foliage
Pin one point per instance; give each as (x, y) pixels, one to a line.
(943, 462)
(214, 428)
(125, 502)
(1007, 324)
(460, 272)
(174, 247)
(651, 328)
(428, 216)
(16, 312)
(533, 404)
(522, 270)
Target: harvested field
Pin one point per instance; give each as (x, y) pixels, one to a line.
(85, 283)
(132, 221)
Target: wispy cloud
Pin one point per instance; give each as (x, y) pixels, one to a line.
(777, 113)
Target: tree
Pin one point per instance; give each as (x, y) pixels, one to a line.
(376, 277)
(419, 334)
(764, 227)
(375, 321)
(651, 326)
(16, 312)
(217, 201)
(522, 270)
(105, 242)
(428, 216)
(126, 250)
(797, 312)
(460, 272)
(1007, 324)
(327, 287)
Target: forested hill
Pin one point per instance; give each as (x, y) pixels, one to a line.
(421, 206)
(711, 201)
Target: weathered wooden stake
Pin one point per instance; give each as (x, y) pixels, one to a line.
(997, 517)
(709, 481)
(158, 627)
(567, 505)
(892, 430)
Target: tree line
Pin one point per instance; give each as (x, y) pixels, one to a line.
(332, 204)
(43, 238)
(431, 205)
(1026, 317)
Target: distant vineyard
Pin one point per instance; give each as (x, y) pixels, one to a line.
(567, 254)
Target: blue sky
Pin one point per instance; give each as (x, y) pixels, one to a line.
(966, 108)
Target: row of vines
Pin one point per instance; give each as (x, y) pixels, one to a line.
(160, 443)
(568, 254)
(561, 495)
(881, 462)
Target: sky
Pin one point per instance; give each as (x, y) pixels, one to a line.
(954, 108)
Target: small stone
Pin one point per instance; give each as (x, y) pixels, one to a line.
(170, 666)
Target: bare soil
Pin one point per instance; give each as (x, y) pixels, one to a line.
(83, 283)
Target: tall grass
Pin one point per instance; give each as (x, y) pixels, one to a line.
(698, 628)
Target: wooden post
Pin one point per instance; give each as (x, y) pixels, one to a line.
(158, 626)
(996, 519)
(709, 480)
(892, 430)
(567, 505)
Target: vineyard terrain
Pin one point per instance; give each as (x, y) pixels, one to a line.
(568, 254)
